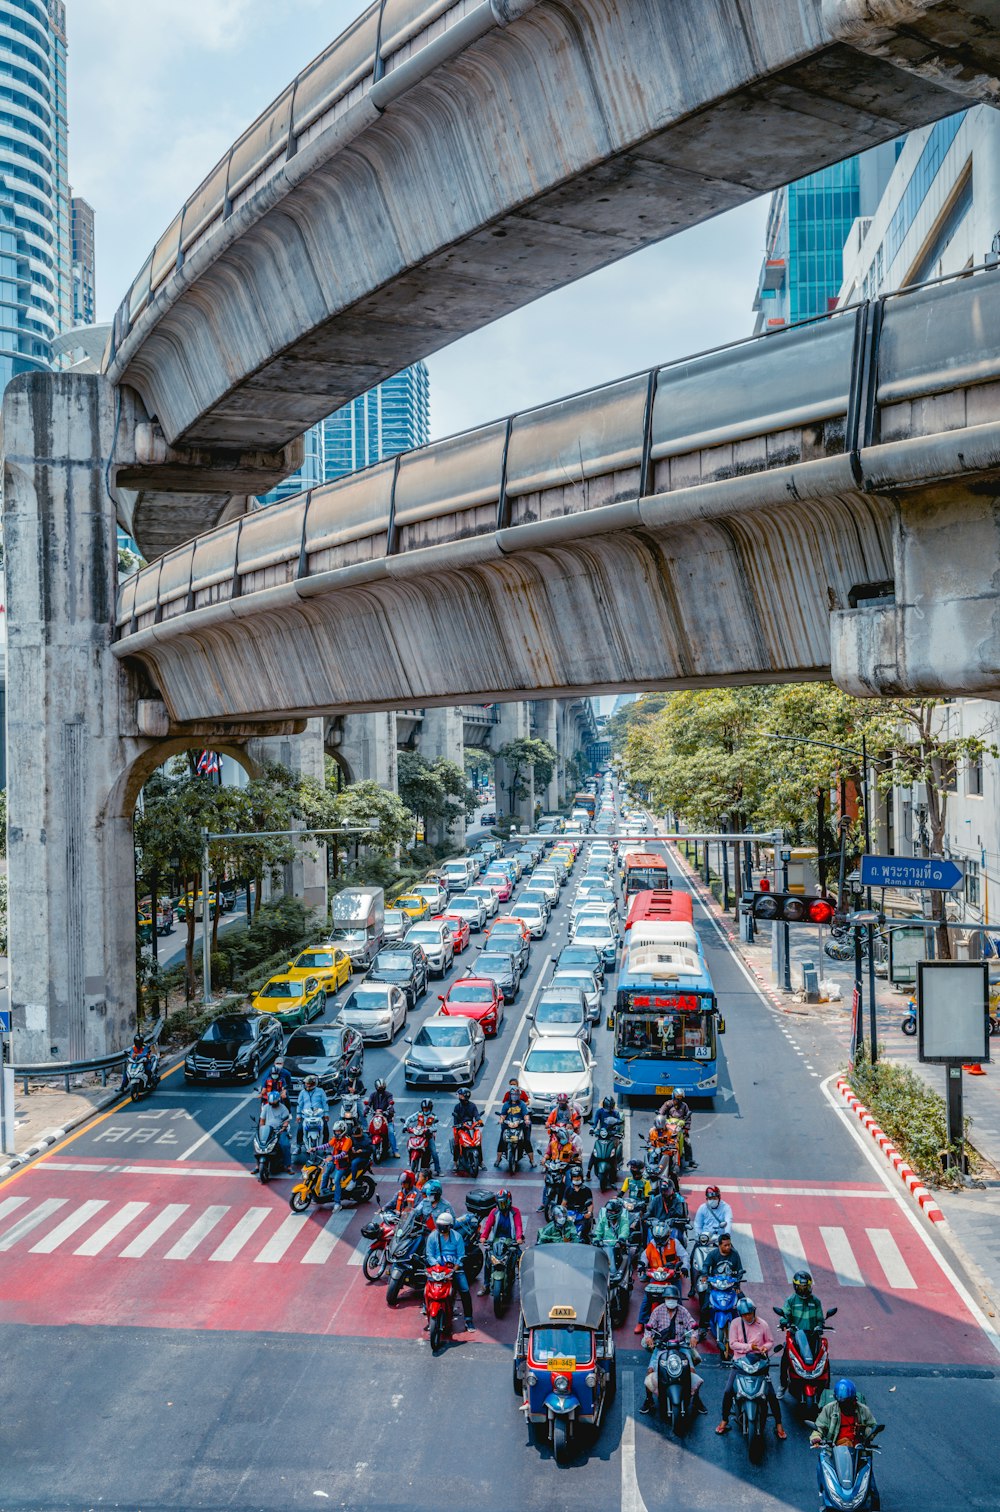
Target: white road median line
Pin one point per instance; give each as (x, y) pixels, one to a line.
(631, 1495)
(243, 1102)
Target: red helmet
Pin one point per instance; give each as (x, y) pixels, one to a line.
(563, 1099)
(407, 1179)
(711, 1192)
(504, 1199)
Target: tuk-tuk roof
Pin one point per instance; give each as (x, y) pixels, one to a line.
(564, 1284)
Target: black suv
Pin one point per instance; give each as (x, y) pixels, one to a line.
(403, 965)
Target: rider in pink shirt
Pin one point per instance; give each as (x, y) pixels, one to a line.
(749, 1334)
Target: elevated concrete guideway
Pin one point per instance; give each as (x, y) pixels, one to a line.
(817, 500)
(444, 163)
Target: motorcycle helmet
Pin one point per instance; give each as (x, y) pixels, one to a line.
(803, 1283)
(426, 1106)
(274, 1098)
(464, 1095)
(671, 1297)
(504, 1200)
(379, 1084)
(745, 1306)
(433, 1188)
(279, 1063)
(635, 1166)
(659, 1232)
(845, 1390)
(310, 1081)
(339, 1128)
(139, 1041)
(444, 1220)
(608, 1104)
(562, 1100)
(560, 1216)
(668, 1188)
(713, 1196)
(407, 1179)
(660, 1121)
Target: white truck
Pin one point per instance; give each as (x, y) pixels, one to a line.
(359, 923)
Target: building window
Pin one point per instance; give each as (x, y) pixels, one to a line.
(972, 883)
(974, 777)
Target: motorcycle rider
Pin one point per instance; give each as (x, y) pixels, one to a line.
(464, 1112)
(354, 1086)
(636, 1184)
(432, 1203)
(564, 1112)
(663, 1252)
(800, 1310)
(381, 1101)
(714, 1217)
(676, 1107)
(515, 1100)
(426, 1120)
(724, 1260)
(675, 1325)
(504, 1222)
(578, 1200)
(606, 1118)
(337, 1164)
(278, 1080)
(445, 1246)
(564, 1147)
(612, 1227)
(274, 1115)
(363, 1153)
(846, 1420)
(749, 1334)
(312, 1099)
(668, 1206)
(559, 1231)
(140, 1053)
(409, 1192)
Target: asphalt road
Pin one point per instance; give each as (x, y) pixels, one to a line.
(172, 1339)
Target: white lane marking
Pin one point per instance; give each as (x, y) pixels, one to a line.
(691, 1183)
(243, 1103)
(789, 1242)
(357, 1256)
(199, 1230)
(876, 1161)
(10, 1205)
(76, 1165)
(896, 1270)
(842, 1257)
(147, 1237)
(68, 1227)
(110, 1230)
(327, 1239)
(748, 1251)
(280, 1241)
(32, 1221)
(514, 1040)
(631, 1495)
(241, 1234)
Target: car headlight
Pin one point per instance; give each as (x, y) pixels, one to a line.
(560, 1384)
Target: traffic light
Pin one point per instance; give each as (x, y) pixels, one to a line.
(787, 908)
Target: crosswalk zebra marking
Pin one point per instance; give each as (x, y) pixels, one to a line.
(789, 1242)
(31, 1221)
(147, 1237)
(67, 1228)
(327, 1239)
(842, 1257)
(199, 1230)
(280, 1241)
(887, 1253)
(744, 1241)
(110, 1230)
(241, 1234)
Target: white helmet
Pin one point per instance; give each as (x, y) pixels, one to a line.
(444, 1220)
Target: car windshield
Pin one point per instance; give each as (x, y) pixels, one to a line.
(314, 1046)
(462, 906)
(279, 989)
(392, 960)
(574, 1344)
(535, 898)
(586, 954)
(590, 930)
(348, 936)
(366, 997)
(425, 932)
(578, 979)
(558, 1013)
(443, 1036)
(490, 963)
(310, 959)
(554, 1062)
(228, 1029)
(463, 993)
(506, 932)
(395, 916)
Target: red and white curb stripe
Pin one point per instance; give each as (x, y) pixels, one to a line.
(907, 1176)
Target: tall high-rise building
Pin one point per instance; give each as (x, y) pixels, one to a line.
(84, 271)
(808, 223)
(309, 475)
(394, 417)
(36, 262)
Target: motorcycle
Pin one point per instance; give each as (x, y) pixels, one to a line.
(378, 1133)
(723, 1295)
(468, 1148)
(312, 1135)
(418, 1147)
(503, 1258)
(439, 1302)
(142, 1077)
(652, 1163)
(514, 1142)
(909, 1024)
(406, 1253)
(807, 1363)
(620, 1283)
(354, 1190)
(666, 1150)
(750, 1401)
(555, 1173)
(378, 1231)
(673, 1383)
(700, 1250)
(270, 1161)
(845, 1475)
(636, 1209)
(607, 1154)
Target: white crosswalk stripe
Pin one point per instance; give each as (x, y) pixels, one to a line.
(10, 1205)
(279, 1242)
(31, 1221)
(888, 1256)
(110, 1230)
(327, 1239)
(744, 1241)
(842, 1257)
(789, 1242)
(241, 1234)
(199, 1230)
(67, 1228)
(357, 1256)
(147, 1237)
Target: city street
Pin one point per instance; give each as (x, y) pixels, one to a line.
(142, 1269)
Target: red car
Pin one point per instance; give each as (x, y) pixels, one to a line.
(476, 998)
(501, 882)
(459, 928)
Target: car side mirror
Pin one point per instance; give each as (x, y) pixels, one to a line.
(518, 1064)
(408, 1039)
(440, 998)
(722, 1026)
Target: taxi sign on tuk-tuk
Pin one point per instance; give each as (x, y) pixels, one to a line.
(562, 1312)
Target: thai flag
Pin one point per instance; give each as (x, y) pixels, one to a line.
(208, 763)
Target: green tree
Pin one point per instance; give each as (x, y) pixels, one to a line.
(437, 791)
(478, 764)
(525, 755)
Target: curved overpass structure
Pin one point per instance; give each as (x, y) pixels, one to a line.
(813, 500)
(447, 161)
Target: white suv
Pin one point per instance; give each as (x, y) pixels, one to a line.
(437, 943)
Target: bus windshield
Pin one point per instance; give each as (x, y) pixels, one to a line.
(665, 1036)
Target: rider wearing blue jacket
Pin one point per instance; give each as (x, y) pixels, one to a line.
(312, 1099)
(445, 1246)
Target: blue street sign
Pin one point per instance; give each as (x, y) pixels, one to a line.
(4, 1021)
(910, 871)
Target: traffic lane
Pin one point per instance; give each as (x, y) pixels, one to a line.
(246, 1436)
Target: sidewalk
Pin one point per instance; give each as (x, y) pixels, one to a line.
(973, 1215)
(50, 1111)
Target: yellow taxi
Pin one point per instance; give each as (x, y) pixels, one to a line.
(331, 967)
(413, 905)
(293, 1002)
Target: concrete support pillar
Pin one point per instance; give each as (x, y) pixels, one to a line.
(305, 755)
(546, 723)
(69, 859)
(515, 724)
(441, 734)
(366, 745)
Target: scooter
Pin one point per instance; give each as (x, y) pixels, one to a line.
(909, 1024)
(723, 1295)
(750, 1401)
(406, 1253)
(620, 1284)
(673, 1383)
(636, 1209)
(607, 1154)
(555, 1173)
(468, 1147)
(354, 1190)
(846, 1475)
(700, 1250)
(378, 1231)
(503, 1258)
(439, 1302)
(312, 1135)
(418, 1147)
(514, 1143)
(270, 1161)
(378, 1133)
(807, 1364)
(142, 1077)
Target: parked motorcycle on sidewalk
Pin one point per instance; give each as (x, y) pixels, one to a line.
(909, 1024)
(806, 1365)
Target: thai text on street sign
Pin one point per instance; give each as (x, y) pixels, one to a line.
(932, 872)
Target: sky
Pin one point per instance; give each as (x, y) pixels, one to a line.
(159, 90)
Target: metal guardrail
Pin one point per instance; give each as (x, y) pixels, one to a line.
(48, 1071)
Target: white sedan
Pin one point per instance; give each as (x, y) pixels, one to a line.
(556, 1065)
(488, 896)
(469, 908)
(535, 915)
(376, 1010)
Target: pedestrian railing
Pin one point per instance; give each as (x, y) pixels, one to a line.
(51, 1070)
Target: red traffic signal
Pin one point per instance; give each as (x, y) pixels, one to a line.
(789, 908)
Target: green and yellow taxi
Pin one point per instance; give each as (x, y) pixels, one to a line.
(290, 1001)
(331, 967)
(414, 905)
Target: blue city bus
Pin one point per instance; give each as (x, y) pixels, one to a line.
(667, 1025)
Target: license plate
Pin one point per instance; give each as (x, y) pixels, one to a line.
(664, 1091)
(436, 1076)
(213, 1072)
(556, 1362)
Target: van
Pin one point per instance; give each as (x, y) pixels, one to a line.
(358, 923)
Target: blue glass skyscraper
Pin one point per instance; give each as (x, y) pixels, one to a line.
(391, 418)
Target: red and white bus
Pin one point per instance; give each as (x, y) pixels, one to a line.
(643, 871)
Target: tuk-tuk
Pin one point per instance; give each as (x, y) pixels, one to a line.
(564, 1358)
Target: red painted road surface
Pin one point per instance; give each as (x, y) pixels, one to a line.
(160, 1244)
